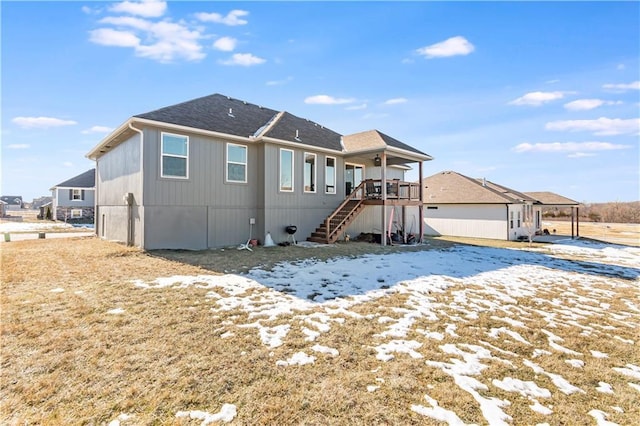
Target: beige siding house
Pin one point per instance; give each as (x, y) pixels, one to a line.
(457, 205)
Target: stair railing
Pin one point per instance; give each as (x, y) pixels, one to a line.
(357, 194)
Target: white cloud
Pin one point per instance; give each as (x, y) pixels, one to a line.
(67, 164)
(226, 44)
(587, 104)
(622, 87)
(356, 107)
(279, 82)
(453, 46)
(244, 59)
(537, 98)
(98, 129)
(573, 147)
(396, 101)
(327, 100)
(600, 126)
(164, 41)
(18, 146)
(146, 8)
(581, 155)
(41, 122)
(232, 18)
(111, 37)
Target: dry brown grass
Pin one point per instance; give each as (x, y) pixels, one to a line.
(66, 360)
(616, 233)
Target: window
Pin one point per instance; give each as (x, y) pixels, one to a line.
(236, 163)
(432, 207)
(286, 170)
(175, 156)
(76, 194)
(511, 221)
(330, 175)
(309, 172)
(518, 219)
(76, 213)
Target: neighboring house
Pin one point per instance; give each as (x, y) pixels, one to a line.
(212, 171)
(549, 199)
(3, 206)
(73, 200)
(40, 201)
(13, 202)
(457, 205)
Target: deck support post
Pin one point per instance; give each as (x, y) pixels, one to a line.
(383, 192)
(421, 205)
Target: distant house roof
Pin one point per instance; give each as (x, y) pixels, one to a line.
(83, 180)
(221, 114)
(450, 187)
(552, 199)
(12, 200)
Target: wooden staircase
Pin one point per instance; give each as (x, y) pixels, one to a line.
(338, 221)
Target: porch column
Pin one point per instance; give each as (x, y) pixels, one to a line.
(577, 222)
(383, 193)
(572, 217)
(421, 206)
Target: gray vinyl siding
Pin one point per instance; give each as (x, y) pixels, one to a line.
(118, 173)
(217, 211)
(304, 210)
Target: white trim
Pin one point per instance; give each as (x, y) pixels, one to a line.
(227, 162)
(314, 177)
(335, 175)
(162, 154)
(72, 216)
(280, 151)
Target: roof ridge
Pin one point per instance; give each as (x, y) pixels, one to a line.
(475, 181)
(268, 125)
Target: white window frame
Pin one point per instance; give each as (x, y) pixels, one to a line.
(314, 175)
(76, 194)
(75, 213)
(292, 170)
(335, 177)
(162, 155)
(245, 164)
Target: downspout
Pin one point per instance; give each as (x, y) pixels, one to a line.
(140, 203)
(508, 229)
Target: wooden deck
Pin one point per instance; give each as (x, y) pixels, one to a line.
(397, 193)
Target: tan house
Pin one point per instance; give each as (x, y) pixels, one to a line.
(458, 205)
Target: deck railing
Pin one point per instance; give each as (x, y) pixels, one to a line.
(396, 190)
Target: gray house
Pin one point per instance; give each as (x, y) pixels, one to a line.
(73, 200)
(213, 171)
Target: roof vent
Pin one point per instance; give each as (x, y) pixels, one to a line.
(230, 113)
(297, 136)
(484, 181)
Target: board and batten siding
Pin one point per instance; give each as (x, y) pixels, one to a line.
(118, 173)
(203, 210)
(467, 220)
(304, 210)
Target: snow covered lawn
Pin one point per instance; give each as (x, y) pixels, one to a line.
(467, 335)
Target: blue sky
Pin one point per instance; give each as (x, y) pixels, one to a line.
(534, 96)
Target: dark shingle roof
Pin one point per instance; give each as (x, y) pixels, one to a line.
(288, 126)
(216, 113)
(83, 180)
(397, 144)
